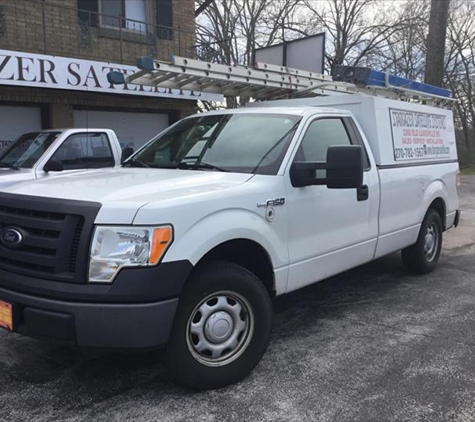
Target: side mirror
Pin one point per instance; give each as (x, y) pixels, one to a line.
(126, 153)
(344, 169)
(53, 165)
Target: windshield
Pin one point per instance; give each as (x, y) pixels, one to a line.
(27, 149)
(243, 143)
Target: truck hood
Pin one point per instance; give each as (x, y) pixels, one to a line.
(9, 177)
(122, 192)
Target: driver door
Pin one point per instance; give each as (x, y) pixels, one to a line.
(330, 230)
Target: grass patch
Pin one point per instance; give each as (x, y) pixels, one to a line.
(468, 170)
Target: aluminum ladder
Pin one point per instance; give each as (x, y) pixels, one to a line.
(262, 82)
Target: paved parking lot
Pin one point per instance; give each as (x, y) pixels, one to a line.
(373, 344)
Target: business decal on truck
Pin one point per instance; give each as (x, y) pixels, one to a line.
(421, 136)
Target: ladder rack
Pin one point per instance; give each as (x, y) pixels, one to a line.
(263, 82)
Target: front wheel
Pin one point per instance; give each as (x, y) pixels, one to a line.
(222, 327)
(423, 256)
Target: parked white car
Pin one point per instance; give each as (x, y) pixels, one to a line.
(189, 242)
(40, 154)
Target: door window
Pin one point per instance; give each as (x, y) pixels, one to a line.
(85, 150)
(320, 135)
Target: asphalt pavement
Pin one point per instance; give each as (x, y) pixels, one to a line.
(373, 344)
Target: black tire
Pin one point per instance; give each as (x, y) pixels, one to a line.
(419, 258)
(235, 284)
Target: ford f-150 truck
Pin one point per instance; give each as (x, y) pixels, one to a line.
(187, 244)
(40, 154)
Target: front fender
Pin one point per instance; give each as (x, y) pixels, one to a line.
(219, 227)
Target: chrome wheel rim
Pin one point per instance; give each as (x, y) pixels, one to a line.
(431, 242)
(220, 328)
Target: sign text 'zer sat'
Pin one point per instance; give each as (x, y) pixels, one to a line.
(43, 71)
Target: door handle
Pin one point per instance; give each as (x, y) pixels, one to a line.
(362, 193)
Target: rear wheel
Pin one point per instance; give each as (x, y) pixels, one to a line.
(222, 327)
(423, 256)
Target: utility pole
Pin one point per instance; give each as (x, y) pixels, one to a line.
(439, 13)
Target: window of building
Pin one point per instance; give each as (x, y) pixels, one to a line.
(127, 14)
(88, 12)
(136, 14)
(131, 15)
(164, 19)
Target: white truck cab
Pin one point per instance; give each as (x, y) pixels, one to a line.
(188, 242)
(48, 152)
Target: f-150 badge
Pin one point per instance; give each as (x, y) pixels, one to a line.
(269, 206)
(272, 203)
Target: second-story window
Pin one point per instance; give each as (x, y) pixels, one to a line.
(131, 15)
(128, 14)
(165, 19)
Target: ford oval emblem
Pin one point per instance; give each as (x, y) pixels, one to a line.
(11, 237)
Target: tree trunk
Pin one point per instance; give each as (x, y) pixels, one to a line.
(434, 72)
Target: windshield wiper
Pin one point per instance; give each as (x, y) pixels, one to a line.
(198, 166)
(9, 166)
(182, 166)
(135, 163)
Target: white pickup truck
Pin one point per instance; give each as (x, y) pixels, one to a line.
(189, 242)
(36, 155)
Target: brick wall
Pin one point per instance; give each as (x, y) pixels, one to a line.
(53, 27)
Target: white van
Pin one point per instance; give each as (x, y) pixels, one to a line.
(189, 242)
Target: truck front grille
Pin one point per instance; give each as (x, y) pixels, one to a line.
(55, 236)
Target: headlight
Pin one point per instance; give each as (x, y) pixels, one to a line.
(116, 247)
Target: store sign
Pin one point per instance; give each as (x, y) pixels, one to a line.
(42, 71)
(421, 136)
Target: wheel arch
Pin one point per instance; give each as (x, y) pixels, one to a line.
(217, 236)
(436, 197)
(440, 206)
(248, 254)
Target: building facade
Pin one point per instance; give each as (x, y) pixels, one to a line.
(55, 56)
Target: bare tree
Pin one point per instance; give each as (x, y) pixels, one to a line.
(359, 32)
(439, 14)
(356, 30)
(229, 31)
(405, 51)
(202, 7)
(460, 68)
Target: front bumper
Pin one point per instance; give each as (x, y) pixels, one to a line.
(132, 285)
(136, 311)
(93, 325)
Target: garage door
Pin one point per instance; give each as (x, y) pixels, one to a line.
(15, 121)
(132, 129)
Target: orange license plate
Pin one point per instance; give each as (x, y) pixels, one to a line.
(6, 315)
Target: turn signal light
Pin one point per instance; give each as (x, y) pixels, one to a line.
(161, 239)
